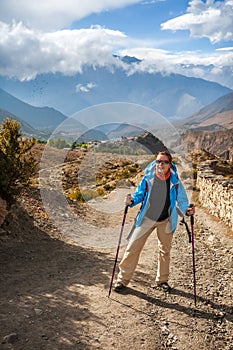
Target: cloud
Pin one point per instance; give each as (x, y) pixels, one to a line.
(230, 48)
(148, 2)
(212, 19)
(216, 66)
(25, 52)
(53, 14)
(85, 88)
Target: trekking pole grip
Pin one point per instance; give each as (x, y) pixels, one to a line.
(192, 219)
(126, 209)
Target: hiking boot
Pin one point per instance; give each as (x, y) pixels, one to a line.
(165, 286)
(119, 287)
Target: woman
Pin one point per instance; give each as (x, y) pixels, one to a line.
(159, 192)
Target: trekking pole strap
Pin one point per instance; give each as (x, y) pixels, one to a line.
(187, 229)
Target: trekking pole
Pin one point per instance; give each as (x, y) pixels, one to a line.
(193, 254)
(118, 248)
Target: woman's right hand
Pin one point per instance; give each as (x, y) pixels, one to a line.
(128, 199)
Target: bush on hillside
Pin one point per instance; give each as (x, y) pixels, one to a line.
(16, 163)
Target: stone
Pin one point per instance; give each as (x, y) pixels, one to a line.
(10, 338)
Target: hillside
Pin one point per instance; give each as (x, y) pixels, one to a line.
(210, 128)
(219, 142)
(26, 129)
(37, 117)
(216, 115)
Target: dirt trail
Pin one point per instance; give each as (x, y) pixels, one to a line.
(54, 294)
(54, 289)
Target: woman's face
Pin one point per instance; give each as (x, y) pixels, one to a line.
(162, 164)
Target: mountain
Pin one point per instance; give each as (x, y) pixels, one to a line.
(210, 128)
(173, 96)
(37, 117)
(125, 130)
(217, 115)
(26, 129)
(92, 135)
(128, 59)
(219, 143)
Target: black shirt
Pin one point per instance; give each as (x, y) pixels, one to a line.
(159, 201)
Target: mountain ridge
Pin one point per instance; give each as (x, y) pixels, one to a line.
(217, 115)
(48, 117)
(25, 127)
(70, 94)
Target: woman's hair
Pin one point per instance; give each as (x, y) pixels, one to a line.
(167, 154)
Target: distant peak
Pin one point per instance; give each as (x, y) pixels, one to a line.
(128, 59)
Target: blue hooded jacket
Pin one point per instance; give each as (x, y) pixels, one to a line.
(178, 196)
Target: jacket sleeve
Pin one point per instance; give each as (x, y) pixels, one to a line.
(140, 192)
(182, 198)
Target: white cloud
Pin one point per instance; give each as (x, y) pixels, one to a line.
(25, 53)
(85, 88)
(53, 14)
(230, 48)
(215, 67)
(148, 2)
(212, 19)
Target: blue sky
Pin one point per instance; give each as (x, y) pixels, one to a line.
(143, 21)
(193, 38)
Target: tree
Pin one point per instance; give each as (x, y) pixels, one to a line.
(16, 163)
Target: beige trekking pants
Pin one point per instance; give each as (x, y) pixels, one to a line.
(138, 238)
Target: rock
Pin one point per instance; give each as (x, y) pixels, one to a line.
(2, 232)
(38, 312)
(10, 338)
(44, 337)
(165, 330)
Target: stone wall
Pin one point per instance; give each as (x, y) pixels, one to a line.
(216, 193)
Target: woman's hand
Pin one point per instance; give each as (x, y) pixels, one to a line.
(191, 210)
(128, 199)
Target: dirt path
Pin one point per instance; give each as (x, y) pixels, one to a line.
(54, 286)
(54, 293)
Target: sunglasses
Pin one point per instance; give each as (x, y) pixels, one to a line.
(162, 161)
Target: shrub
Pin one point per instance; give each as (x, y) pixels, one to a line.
(82, 196)
(100, 191)
(76, 195)
(16, 163)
